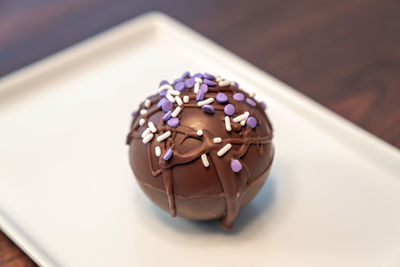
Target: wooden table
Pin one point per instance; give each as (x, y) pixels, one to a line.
(345, 54)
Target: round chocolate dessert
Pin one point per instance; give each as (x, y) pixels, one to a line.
(201, 148)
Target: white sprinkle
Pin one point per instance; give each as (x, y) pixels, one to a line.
(198, 80)
(217, 140)
(224, 83)
(152, 127)
(223, 150)
(143, 111)
(252, 94)
(243, 122)
(170, 98)
(199, 132)
(146, 132)
(185, 99)
(165, 87)
(228, 124)
(142, 121)
(206, 101)
(232, 83)
(176, 112)
(218, 78)
(178, 100)
(158, 151)
(148, 138)
(174, 92)
(205, 160)
(196, 87)
(147, 103)
(241, 117)
(164, 136)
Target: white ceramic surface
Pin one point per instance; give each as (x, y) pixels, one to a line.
(68, 197)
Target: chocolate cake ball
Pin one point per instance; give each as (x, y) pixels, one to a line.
(201, 147)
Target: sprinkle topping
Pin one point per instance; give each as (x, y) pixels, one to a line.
(229, 109)
(166, 105)
(160, 102)
(223, 150)
(238, 96)
(167, 115)
(189, 83)
(251, 102)
(205, 102)
(201, 85)
(209, 82)
(263, 105)
(157, 150)
(205, 160)
(228, 126)
(208, 109)
(185, 99)
(173, 122)
(178, 100)
(146, 132)
(164, 136)
(148, 138)
(251, 122)
(176, 112)
(222, 98)
(180, 86)
(170, 98)
(217, 140)
(236, 165)
(163, 82)
(208, 76)
(147, 103)
(152, 127)
(168, 154)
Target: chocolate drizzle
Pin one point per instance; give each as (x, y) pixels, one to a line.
(241, 137)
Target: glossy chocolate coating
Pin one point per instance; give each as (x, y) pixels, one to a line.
(183, 185)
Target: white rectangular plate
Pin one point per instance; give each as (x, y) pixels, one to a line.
(68, 197)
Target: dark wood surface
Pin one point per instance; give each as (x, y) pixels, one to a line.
(345, 54)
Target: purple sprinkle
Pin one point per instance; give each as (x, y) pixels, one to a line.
(189, 83)
(209, 82)
(167, 115)
(163, 93)
(238, 96)
(177, 80)
(180, 86)
(236, 165)
(134, 113)
(166, 106)
(263, 105)
(203, 87)
(173, 122)
(229, 109)
(208, 76)
(236, 85)
(159, 103)
(185, 74)
(163, 82)
(198, 75)
(251, 102)
(168, 154)
(251, 122)
(200, 95)
(208, 109)
(222, 98)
